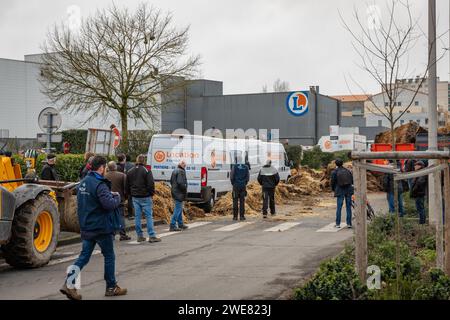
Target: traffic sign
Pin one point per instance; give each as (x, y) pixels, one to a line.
(55, 137)
(49, 120)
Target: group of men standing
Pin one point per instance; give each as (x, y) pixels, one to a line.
(100, 198)
(268, 178)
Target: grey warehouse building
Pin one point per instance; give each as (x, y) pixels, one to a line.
(301, 117)
(203, 100)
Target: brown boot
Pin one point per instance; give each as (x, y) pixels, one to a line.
(72, 294)
(116, 291)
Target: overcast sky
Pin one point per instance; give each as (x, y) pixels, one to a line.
(244, 43)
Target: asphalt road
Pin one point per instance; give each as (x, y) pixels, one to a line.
(220, 259)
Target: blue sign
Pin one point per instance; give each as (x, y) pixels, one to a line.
(297, 103)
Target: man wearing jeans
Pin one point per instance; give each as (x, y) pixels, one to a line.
(418, 192)
(342, 185)
(178, 182)
(141, 188)
(96, 205)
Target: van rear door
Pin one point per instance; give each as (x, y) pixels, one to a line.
(167, 151)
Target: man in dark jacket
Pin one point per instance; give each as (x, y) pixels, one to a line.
(342, 185)
(141, 188)
(49, 170)
(118, 184)
(268, 178)
(388, 184)
(124, 165)
(96, 205)
(178, 182)
(239, 177)
(419, 190)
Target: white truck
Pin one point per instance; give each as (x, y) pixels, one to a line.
(209, 162)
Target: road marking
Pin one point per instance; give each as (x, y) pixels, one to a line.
(193, 225)
(233, 226)
(283, 227)
(331, 228)
(70, 258)
(70, 254)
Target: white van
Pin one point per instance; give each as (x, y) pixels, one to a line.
(209, 162)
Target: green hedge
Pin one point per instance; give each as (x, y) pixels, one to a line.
(336, 278)
(316, 158)
(294, 153)
(67, 165)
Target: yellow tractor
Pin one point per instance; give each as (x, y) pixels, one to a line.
(29, 218)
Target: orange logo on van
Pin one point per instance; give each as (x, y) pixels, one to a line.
(328, 145)
(159, 156)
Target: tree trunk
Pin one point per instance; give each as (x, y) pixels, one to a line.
(124, 133)
(397, 219)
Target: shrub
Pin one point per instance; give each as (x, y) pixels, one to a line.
(294, 153)
(316, 158)
(67, 165)
(436, 286)
(335, 280)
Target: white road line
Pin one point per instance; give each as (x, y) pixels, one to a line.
(198, 224)
(168, 233)
(283, 227)
(193, 225)
(165, 234)
(70, 254)
(70, 258)
(233, 226)
(331, 228)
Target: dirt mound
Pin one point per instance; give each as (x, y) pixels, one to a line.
(162, 202)
(307, 180)
(403, 134)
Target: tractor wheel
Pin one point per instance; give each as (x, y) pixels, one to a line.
(34, 233)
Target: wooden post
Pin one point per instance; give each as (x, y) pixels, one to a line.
(439, 219)
(360, 183)
(447, 219)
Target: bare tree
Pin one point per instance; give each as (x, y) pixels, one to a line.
(127, 64)
(384, 49)
(278, 86)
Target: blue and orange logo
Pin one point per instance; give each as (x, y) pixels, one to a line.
(297, 103)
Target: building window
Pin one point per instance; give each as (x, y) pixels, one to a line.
(416, 103)
(418, 121)
(380, 123)
(386, 104)
(399, 104)
(426, 121)
(402, 122)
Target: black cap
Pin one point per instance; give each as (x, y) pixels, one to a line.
(51, 156)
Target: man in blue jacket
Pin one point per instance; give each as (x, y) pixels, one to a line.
(240, 175)
(98, 221)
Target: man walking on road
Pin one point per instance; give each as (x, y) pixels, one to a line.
(118, 184)
(178, 182)
(49, 171)
(419, 191)
(96, 205)
(342, 185)
(141, 188)
(268, 178)
(240, 175)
